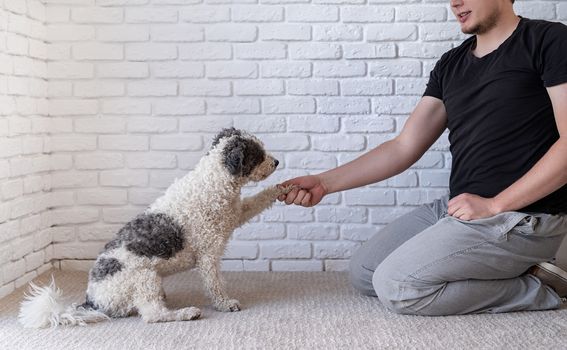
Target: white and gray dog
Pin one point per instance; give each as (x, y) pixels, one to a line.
(186, 227)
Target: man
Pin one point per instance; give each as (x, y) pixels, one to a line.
(503, 96)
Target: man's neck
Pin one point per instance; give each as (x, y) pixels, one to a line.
(492, 39)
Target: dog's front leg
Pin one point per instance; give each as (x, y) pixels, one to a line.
(210, 272)
(252, 206)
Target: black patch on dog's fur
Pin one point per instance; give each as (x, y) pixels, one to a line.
(242, 155)
(105, 267)
(88, 304)
(115, 243)
(226, 133)
(151, 235)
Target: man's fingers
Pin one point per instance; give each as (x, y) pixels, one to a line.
(306, 200)
(299, 198)
(290, 197)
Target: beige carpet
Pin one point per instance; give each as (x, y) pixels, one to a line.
(285, 310)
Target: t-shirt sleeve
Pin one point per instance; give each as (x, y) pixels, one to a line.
(553, 55)
(434, 84)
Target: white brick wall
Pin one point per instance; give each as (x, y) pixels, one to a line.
(25, 239)
(104, 102)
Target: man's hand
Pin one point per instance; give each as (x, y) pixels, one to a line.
(307, 191)
(468, 206)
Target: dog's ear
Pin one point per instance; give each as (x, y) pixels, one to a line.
(228, 132)
(234, 154)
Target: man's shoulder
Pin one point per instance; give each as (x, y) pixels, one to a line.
(540, 27)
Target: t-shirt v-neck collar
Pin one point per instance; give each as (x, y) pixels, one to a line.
(500, 47)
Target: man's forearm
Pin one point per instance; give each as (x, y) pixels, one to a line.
(384, 161)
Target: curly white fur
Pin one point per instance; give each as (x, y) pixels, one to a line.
(206, 207)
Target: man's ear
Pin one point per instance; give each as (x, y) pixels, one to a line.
(234, 156)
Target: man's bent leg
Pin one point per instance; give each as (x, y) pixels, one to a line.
(375, 250)
(459, 267)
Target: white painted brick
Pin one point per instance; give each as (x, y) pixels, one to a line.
(294, 265)
(311, 161)
(98, 88)
(434, 179)
(336, 265)
(152, 88)
(233, 106)
(35, 260)
(102, 197)
(118, 2)
(292, 214)
(260, 232)
(231, 32)
(241, 250)
(410, 86)
(73, 216)
(178, 69)
(69, 70)
(150, 52)
(151, 161)
(288, 105)
(256, 265)
(287, 32)
(418, 197)
(17, 6)
(143, 196)
(17, 44)
(124, 178)
(73, 143)
(395, 104)
(232, 70)
(314, 87)
(73, 180)
(98, 232)
(286, 70)
(312, 13)
(177, 32)
(13, 270)
(562, 12)
(353, 232)
(536, 9)
(334, 250)
(262, 87)
(362, 87)
(440, 31)
(120, 215)
(418, 13)
(99, 161)
(313, 123)
(260, 124)
(364, 124)
(68, 32)
(337, 32)
(423, 50)
(77, 265)
(176, 143)
(255, 13)
(151, 125)
(231, 265)
(343, 105)
(151, 15)
(314, 51)
(391, 32)
(285, 250)
(83, 250)
(123, 33)
(57, 14)
(367, 14)
(12, 189)
(164, 178)
(339, 69)
(371, 197)
(126, 106)
(100, 125)
(338, 143)
(313, 232)
(342, 215)
(121, 143)
(123, 70)
(205, 14)
(179, 106)
(208, 51)
(98, 51)
(260, 51)
(97, 15)
(430, 160)
(204, 88)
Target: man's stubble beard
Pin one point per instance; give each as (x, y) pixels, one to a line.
(484, 26)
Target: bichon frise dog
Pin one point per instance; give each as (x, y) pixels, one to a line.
(186, 227)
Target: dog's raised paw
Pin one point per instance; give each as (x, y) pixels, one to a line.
(229, 305)
(285, 189)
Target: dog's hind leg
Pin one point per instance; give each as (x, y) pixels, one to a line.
(209, 269)
(150, 303)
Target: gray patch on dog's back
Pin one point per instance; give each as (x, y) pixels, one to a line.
(104, 267)
(151, 235)
(242, 155)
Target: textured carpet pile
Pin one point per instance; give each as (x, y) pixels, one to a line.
(283, 310)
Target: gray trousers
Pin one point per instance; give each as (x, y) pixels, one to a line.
(429, 263)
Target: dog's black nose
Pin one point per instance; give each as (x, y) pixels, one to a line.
(276, 162)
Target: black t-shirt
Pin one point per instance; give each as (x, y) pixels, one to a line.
(500, 116)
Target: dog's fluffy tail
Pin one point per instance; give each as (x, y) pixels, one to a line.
(44, 307)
